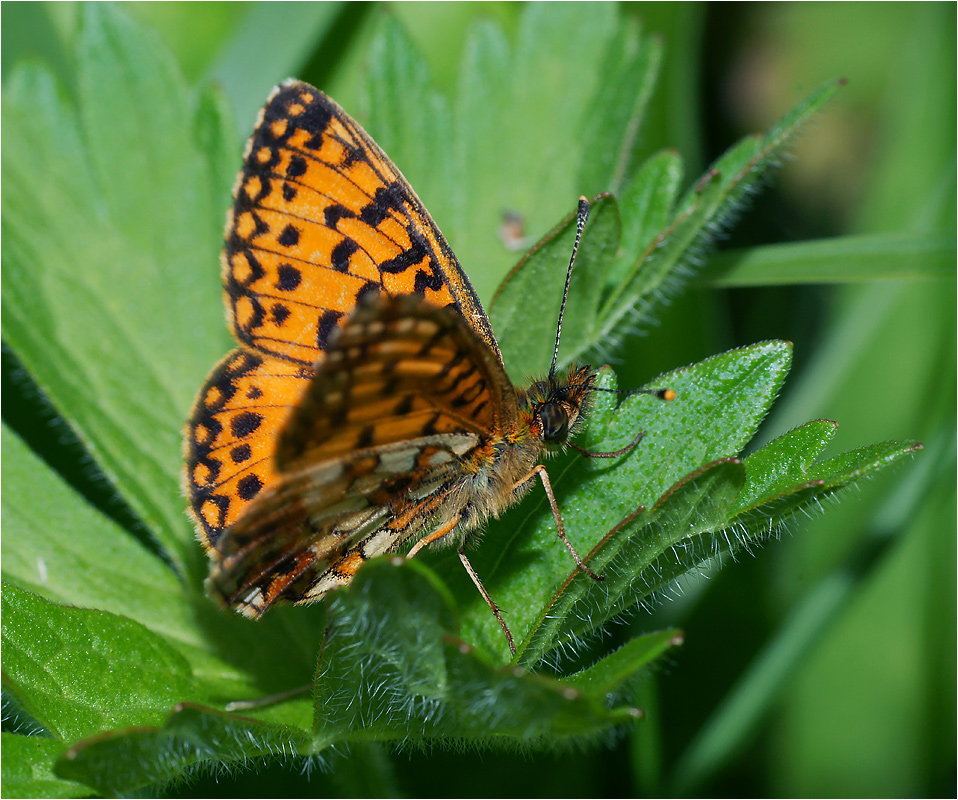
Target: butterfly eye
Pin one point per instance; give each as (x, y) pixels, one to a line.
(553, 422)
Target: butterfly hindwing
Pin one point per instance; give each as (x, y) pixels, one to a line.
(399, 370)
(310, 531)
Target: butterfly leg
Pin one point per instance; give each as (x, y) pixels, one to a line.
(613, 453)
(489, 600)
(437, 534)
(547, 485)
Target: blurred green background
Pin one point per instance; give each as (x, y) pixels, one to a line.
(840, 677)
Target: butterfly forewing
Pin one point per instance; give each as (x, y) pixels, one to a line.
(321, 218)
(233, 432)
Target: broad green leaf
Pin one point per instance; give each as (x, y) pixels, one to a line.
(393, 668)
(112, 222)
(78, 672)
(216, 139)
(129, 761)
(718, 407)
(516, 137)
(28, 768)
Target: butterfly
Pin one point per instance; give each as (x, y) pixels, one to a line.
(366, 408)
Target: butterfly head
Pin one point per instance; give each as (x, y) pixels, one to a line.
(558, 404)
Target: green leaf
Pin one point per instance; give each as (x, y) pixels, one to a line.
(559, 54)
(900, 255)
(110, 257)
(698, 519)
(661, 269)
(384, 646)
(28, 768)
(78, 672)
(393, 668)
(128, 761)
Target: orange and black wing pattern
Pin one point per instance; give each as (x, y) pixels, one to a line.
(232, 435)
(372, 454)
(320, 220)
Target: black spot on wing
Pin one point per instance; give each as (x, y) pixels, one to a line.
(289, 236)
(341, 254)
(245, 424)
(327, 323)
(288, 278)
(249, 486)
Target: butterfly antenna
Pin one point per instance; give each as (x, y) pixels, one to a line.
(662, 394)
(582, 217)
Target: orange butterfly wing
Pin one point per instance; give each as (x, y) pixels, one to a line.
(321, 218)
(371, 454)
